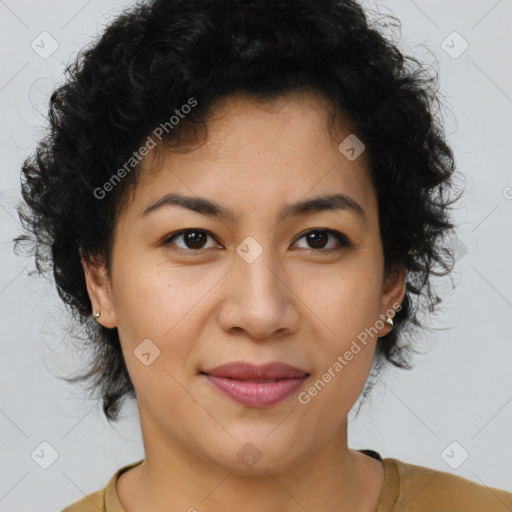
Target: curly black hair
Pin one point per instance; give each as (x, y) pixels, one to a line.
(158, 56)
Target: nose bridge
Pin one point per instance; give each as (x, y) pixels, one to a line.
(257, 270)
(259, 292)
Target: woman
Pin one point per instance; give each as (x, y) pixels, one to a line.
(247, 196)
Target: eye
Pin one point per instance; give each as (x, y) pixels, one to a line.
(317, 238)
(194, 239)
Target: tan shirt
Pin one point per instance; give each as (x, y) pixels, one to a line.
(407, 488)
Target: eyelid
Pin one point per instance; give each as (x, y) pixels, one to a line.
(342, 239)
(167, 239)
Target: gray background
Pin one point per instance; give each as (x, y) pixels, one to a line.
(460, 390)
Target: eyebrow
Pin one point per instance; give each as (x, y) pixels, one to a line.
(211, 208)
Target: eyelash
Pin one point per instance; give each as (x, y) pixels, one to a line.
(341, 238)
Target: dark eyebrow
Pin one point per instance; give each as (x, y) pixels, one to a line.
(211, 208)
(323, 203)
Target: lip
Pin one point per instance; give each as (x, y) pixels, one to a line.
(241, 370)
(245, 383)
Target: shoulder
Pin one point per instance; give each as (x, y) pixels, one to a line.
(424, 489)
(94, 502)
(105, 500)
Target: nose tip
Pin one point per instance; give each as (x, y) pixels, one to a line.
(260, 301)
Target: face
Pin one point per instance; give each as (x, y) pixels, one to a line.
(192, 290)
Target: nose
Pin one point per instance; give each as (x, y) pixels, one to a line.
(259, 298)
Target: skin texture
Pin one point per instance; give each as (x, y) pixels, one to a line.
(291, 304)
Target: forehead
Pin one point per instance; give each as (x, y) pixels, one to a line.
(258, 156)
(240, 121)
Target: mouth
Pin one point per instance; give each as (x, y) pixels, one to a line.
(256, 386)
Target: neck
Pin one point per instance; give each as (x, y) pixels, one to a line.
(172, 477)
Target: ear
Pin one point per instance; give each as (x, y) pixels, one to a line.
(100, 290)
(393, 292)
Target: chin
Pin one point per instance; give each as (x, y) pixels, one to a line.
(257, 455)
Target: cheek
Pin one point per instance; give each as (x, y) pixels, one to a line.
(348, 306)
(155, 334)
(347, 303)
(151, 298)
(158, 312)
(135, 306)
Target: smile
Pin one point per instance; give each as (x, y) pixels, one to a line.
(257, 393)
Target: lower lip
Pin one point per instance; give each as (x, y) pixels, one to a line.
(256, 394)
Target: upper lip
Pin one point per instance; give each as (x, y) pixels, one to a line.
(241, 370)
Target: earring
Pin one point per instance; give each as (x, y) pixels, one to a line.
(389, 321)
(97, 315)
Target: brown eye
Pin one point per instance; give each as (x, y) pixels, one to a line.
(193, 239)
(318, 238)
